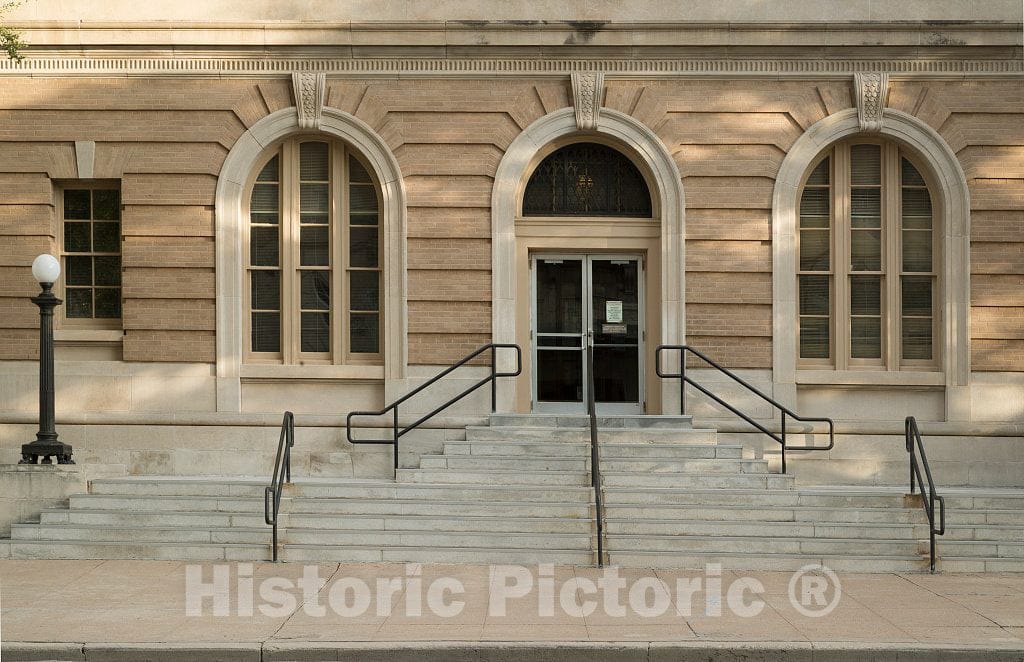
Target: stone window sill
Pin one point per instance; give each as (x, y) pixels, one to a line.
(255, 371)
(870, 378)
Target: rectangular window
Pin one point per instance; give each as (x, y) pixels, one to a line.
(917, 277)
(866, 281)
(363, 261)
(91, 255)
(815, 269)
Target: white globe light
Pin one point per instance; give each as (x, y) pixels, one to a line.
(46, 269)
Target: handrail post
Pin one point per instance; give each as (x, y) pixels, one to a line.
(682, 382)
(595, 460)
(394, 428)
(783, 442)
(494, 379)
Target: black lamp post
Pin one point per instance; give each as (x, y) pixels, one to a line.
(46, 270)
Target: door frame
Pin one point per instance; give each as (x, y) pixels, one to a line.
(586, 332)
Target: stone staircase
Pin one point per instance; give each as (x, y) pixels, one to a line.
(518, 491)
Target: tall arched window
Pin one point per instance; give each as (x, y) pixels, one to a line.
(313, 256)
(587, 179)
(868, 261)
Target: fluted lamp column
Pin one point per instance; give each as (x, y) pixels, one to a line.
(46, 271)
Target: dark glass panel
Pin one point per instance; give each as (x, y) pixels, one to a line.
(362, 198)
(269, 172)
(314, 247)
(865, 164)
(559, 296)
(356, 171)
(866, 207)
(615, 281)
(917, 250)
(917, 295)
(560, 376)
(814, 250)
(814, 338)
(108, 303)
(586, 179)
(814, 295)
(314, 198)
(107, 270)
(866, 250)
(364, 333)
(269, 218)
(265, 197)
(866, 338)
(314, 162)
(106, 205)
(917, 339)
(364, 290)
(79, 270)
(814, 208)
(263, 247)
(363, 219)
(266, 332)
(865, 295)
(76, 204)
(106, 237)
(316, 332)
(363, 250)
(616, 374)
(911, 177)
(266, 290)
(76, 238)
(820, 175)
(316, 290)
(79, 302)
(560, 341)
(917, 208)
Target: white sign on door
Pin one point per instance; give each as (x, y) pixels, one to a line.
(613, 311)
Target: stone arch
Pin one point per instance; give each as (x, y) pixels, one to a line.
(954, 216)
(235, 172)
(666, 193)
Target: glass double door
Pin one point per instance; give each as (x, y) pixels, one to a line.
(581, 299)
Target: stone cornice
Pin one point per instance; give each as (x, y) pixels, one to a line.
(450, 67)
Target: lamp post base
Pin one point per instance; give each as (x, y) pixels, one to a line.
(40, 452)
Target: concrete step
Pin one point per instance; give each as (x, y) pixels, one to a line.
(337, 553)
(165, 503)
(578, 464)
(582, 449)
(949, 563)
(170, 551)
(1000, 533)
(981, 548)
(694, 480)
(439, 538)
(579, 506)
(750, 529)
(141, 534)
(782, 545)
(758, 513)
(193, 487)
(679, 436)
(533, 525)
(673, 422)
(753, 497)
(757, 560)
(644, 466)
(494, 477)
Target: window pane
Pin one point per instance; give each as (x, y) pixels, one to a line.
(865, 164)
(314, 249)
(313, 162)
(263, 247)
(917, 339)
(266, 290)
(917, 208)
(316, 290)
(264, 198)
(106, 205)
(363, 219)
(911, 177)
(79, 302)
(362, 198)
(76, 205)
(363, 290)
(866, 250)
(79, 270)
(314, 198)
(76, 238)
(266, 332)
(917, 295)
(866, 338)
(363, 249)
(814, 204)
(866, 207)
(917, 250)
(814, 340)
(108, 302)
(866, 295)
(814, 295)
(364, 333)
(108, 270)
(269, 218)
(356, 171)
(106, 237)
(269, 172)
(814, 250)
(819, 175)
(316, 332)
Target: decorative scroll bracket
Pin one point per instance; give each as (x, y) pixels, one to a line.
(871, 90)
(587, 93)
(309, 97)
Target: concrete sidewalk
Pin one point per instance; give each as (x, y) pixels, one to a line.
(137, 610)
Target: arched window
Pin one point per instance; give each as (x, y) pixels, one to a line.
(867, 261)
(313, 257)
(587, 179)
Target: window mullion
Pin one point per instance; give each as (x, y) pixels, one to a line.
(840, 232)
(891, 223)
(289, 258)
(338, 226)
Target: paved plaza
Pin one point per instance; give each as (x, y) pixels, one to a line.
(147, 610)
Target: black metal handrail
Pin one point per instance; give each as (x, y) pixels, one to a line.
(398, 432)
(595, 457)
(915, 446)
(784, 411)
(282, 475)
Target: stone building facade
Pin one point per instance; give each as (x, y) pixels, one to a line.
(151, 147)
